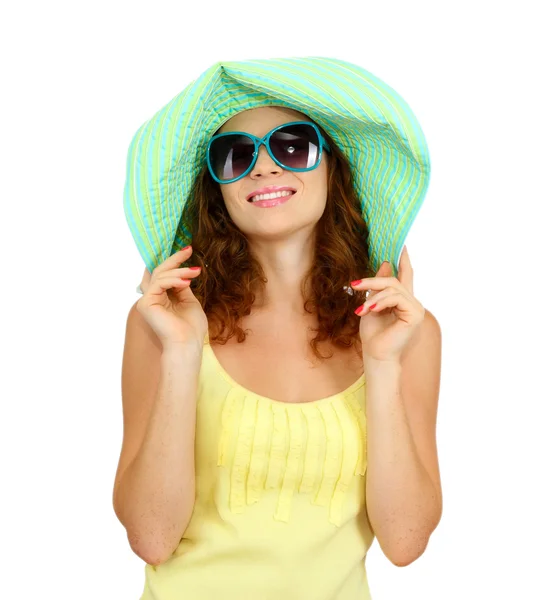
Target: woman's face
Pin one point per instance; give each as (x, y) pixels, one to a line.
(302, 210)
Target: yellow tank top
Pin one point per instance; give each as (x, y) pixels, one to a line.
(280, 498)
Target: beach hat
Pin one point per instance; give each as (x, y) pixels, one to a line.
(370, 122)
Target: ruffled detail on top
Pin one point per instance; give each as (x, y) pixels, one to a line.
(310, 448)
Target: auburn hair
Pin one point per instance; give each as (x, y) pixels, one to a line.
(227, 287)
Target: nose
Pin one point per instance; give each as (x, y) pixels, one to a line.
(264, 163)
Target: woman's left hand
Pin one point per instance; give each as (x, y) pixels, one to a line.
(386, 330)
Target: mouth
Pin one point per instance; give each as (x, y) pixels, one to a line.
(270, 192)
(269, 200)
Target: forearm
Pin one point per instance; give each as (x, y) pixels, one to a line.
(400, 497)
(157, 491)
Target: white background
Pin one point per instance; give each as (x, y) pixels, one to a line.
(79, 79)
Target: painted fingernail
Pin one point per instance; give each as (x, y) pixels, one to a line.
(373, 305)
(185, 248)
(357, 282)
(359, 309)
(195, 268)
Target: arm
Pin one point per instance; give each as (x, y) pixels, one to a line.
(403, 491)
(154, 489)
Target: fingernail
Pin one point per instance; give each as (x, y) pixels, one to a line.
(195, 268)
(185, 248)
(357, 282)
(359, 309)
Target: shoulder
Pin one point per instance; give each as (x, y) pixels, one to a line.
(430, 324)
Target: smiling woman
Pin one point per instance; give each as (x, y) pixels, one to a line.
(267, 426)
(324, 213)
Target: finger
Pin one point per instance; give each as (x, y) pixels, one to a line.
(173, 261)
(385, 299)
(181, 273)
(143, 285)
(385, 270)
(407, 309)
(161, 285)
(370, 301)
(376, 283)
(405, 271)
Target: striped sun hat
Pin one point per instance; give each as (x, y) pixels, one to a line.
(371, 124)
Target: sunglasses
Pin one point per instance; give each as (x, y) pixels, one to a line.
(295, 146)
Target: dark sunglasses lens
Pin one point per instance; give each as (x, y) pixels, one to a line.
(231, 155)
(296, 146)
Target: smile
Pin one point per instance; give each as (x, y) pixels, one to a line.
(269, 200)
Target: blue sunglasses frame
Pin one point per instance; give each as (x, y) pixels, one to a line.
(323, 145)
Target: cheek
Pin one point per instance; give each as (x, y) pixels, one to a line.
(232, 197)
(320, 175)
(316, 180)
(319, 183)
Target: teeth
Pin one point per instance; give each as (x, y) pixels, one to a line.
(272, 195)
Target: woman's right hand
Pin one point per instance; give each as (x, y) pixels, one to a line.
(176, 317)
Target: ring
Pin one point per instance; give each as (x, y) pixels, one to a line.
(350, 291)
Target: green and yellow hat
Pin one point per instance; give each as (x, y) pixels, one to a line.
(371, 124)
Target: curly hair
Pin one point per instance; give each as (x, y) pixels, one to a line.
(227, 289)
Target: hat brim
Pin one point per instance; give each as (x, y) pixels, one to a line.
(369, 121)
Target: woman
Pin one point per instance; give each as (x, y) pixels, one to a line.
(263, 465)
